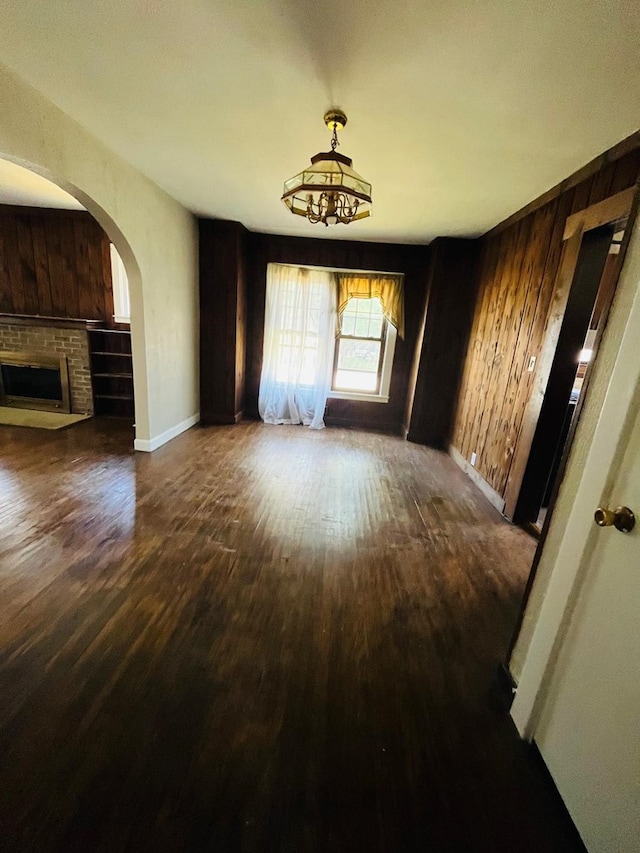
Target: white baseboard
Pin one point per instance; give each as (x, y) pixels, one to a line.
(151, 444)
(488, 491)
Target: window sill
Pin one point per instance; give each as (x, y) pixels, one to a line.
(357, 395)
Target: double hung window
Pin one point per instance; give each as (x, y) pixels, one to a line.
(360, 349)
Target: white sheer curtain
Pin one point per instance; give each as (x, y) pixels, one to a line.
(299, 337)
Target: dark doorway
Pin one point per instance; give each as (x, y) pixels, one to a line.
(591, 292)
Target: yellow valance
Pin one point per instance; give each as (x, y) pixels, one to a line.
(388, 289)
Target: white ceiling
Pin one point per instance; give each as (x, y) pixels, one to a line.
(460, 112)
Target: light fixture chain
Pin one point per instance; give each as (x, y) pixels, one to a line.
(334, 137)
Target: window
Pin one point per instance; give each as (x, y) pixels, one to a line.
(121, 309)
(328, 333)
(364, 352)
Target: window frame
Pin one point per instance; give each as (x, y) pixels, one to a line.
(387, 341)
(120, 288)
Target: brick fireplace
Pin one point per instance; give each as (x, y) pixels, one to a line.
(58, 339)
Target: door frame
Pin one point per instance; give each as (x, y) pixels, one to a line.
(566, 560)
(627, 204)
(603, 213)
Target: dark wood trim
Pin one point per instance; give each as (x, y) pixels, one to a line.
(631, 143)
(608, 210)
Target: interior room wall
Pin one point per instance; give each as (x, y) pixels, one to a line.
(519, 261)
(54, 263)
(156, 237)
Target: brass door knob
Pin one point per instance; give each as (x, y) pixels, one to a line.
(622, 518)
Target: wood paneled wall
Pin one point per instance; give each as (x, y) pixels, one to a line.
(54, 263)
(222, 320)
(518, 267)
(263, 249)
(451, 294)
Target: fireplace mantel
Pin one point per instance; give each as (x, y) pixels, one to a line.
(50, 322)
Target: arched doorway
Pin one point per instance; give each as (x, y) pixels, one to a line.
(64, 292)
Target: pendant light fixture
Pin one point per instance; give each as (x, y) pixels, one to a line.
(329, 190)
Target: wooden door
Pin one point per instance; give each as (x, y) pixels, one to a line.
(589, 730)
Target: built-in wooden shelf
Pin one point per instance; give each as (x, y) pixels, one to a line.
(111, 372)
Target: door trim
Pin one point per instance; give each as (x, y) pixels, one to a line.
(615, 207)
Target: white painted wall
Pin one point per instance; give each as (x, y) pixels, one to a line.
(156, 237)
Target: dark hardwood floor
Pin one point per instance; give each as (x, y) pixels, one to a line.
(257, 638)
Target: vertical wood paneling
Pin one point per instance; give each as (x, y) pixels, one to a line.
(521, 422)
(68, 264)
(449, 308)
(54, 263)
(27, 265)
(241, 329)
(514, 309)
(222, 325)
(6, 297)
(87, 287)
(56, 272)
(626, 173)
(506, 323)
(14, 267)
(41, 260)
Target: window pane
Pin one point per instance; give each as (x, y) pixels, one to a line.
(362, 327)
(348, 323)
(375, 326)
(357, 368)
(363, 318)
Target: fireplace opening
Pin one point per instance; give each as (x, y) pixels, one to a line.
(34, 381)
(26, 381)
